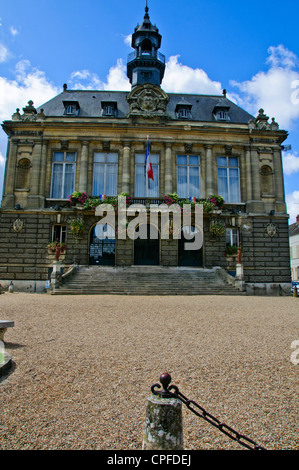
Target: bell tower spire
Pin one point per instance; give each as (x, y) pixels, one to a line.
(146, 64)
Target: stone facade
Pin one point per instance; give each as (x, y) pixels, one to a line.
(85, 123)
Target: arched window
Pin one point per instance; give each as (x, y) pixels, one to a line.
(102, 245)
(146, 46)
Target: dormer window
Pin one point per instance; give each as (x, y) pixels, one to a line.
(109, 109)
(71, 108)
(222, 115)
(183, 110)
(184, 113)
(221, 110)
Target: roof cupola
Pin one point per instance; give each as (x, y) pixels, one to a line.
(146, 64)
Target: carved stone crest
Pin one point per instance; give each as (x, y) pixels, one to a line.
(18, 225)
(261, 123)
(271, 230)
(148, 101)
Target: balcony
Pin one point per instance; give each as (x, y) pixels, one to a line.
(144, 56)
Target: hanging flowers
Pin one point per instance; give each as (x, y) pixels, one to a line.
(217, 229)
(78, 197)
(77, 228)
(217, 201)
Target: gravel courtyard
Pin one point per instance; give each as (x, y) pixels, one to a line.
(84, 365)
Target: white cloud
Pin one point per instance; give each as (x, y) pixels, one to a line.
(290, 163)
(4, 53)
(180, 78)
(280, 56)
(29, 83)
(273, 90)
(128, 40)
(84, 80)
(292, 201)
(13, 31)
(116, 79)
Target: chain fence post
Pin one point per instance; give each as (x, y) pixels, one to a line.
(163, 422)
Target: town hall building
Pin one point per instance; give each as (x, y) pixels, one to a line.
(84, 148)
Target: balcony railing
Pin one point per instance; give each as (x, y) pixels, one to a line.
(58, 204)
(146, 56)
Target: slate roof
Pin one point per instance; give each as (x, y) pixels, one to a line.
(90, 105)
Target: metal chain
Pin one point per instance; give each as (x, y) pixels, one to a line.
(224, 428)
(202, 413)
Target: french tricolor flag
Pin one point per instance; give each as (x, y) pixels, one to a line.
(148, 165)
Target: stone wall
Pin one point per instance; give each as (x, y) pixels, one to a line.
(23, 254)
(266, 258)
(24, 257)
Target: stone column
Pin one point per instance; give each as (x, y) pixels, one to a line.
(35, 168)
(256, 205)
(168, 169)
(83, 180)
(34, 201)
(280, 205)
(42, 183)
(126, 168)
(9, 178)
(209, 171)
(248, 174)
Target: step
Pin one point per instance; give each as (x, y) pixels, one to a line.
(146, 280)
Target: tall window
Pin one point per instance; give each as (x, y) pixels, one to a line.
(105, 174)
(188, 176)
(232, 236)
(63, 174)
(229, 179)
(59, 233)
(141, 189)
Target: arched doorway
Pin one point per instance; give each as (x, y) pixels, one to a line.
(189, 257)
(147, 251)
(102, 245)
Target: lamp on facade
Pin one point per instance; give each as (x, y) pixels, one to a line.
(58, 216)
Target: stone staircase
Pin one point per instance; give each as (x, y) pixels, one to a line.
(147, 280)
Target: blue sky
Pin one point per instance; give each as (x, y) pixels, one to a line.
(249, 48)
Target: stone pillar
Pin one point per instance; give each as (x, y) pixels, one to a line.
(280, 205)
(256, 205)
(33, 198)
(83, 180)
(9, 178)
(55, 276)
(164, 424)
(126, 169)
(168, 169)
(42, 183)
(209, 171)
(35, 169)
(248, 174)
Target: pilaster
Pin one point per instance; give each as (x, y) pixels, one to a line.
(209, 171)
(126, 167)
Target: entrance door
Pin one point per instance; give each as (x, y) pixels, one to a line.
(102, 245)
(146, 252)
(188, 257)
